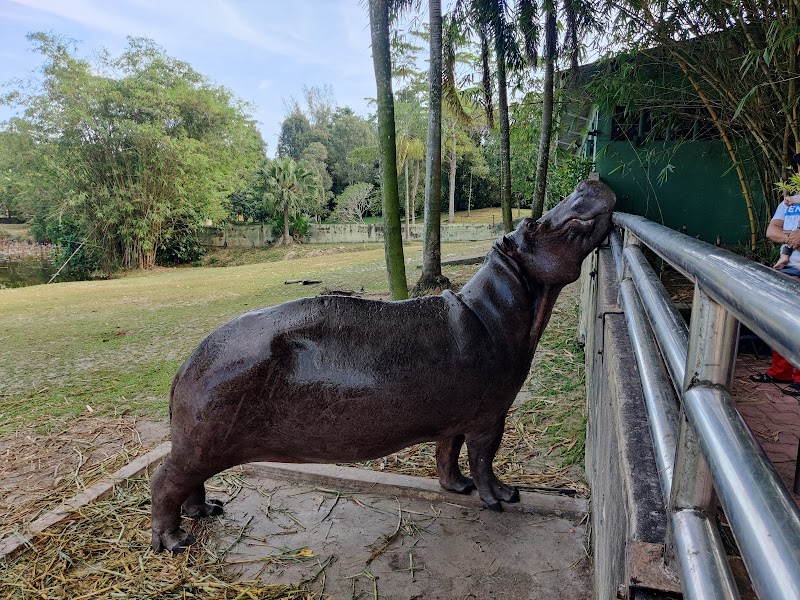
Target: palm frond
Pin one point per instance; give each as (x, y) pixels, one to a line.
(450, 38)
(528, 20)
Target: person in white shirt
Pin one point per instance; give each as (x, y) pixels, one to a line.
(783, 229)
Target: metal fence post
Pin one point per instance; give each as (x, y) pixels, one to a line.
(692, 506)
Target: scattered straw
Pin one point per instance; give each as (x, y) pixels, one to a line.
(104, 552)
(41, 471)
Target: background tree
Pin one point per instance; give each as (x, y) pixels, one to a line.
(355, 203)
(410, 128)
(492, 20)
(137, 150)
(21, 171)
(315, 157)
(295, 134)
(381, 59)
(289, 188)
(432, 277)
(348, 134)
(580, 20)
(545, 135)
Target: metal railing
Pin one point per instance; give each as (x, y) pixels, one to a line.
(701, 443)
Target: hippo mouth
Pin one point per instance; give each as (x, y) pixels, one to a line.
(584, 226)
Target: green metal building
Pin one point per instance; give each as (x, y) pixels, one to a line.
(680, 176)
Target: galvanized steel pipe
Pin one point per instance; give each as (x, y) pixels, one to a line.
(758, 296)
(659, 396)
(764, 518)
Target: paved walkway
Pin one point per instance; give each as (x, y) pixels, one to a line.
(352, 533)
(773, 417)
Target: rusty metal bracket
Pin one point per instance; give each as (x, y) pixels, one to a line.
(646, 569)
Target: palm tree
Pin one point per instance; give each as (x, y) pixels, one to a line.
(490, 18)
(432, 277)
(289, 188)
(452, 38)
(542, 161)
(409, 123)
(580, 19)
(381, 60)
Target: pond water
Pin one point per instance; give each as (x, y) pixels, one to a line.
(25, 271)
(23, 264)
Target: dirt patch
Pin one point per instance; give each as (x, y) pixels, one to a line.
(40, 471)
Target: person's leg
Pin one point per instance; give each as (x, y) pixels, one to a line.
(781, 370)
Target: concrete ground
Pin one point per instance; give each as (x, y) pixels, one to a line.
(366, 534)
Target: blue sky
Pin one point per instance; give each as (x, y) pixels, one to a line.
(264, 51)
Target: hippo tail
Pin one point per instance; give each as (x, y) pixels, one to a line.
(172, 395)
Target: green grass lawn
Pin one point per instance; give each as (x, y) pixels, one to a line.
(105, 346)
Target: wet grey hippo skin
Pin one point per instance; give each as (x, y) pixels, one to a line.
(338, 379)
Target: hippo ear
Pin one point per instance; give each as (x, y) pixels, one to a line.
(508, 244)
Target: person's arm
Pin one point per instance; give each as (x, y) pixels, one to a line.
(776, 233)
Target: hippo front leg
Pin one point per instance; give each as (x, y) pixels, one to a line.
(481, 449)
(450, 476)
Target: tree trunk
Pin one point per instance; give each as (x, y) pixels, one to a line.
(286, 238)
(505, 136)
(451, 214)
(469, 198)
(387, 149)
(408, 216)
(414, 190)
(537, 207)
(432, 277)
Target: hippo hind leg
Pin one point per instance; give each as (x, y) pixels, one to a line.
(170, 487)
(450, 476)
(481, 449)
(197, 505)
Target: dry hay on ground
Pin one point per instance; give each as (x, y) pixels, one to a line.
(41, 471)
(103, 551)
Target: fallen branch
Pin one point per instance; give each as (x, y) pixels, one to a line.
(302, 281)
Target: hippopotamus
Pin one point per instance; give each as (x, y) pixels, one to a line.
(332, 379)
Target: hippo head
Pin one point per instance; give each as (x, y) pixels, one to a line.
(550, 251)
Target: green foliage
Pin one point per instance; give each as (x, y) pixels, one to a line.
(135, 150)
(348, 134)
(298, 226)
(356, 202)
(84, 260)
(289, 189)
(182, 245)
(566, 171)
(790, 187)
(731, 67)
(295, 135)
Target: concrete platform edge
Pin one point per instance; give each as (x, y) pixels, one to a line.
(414, 487)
